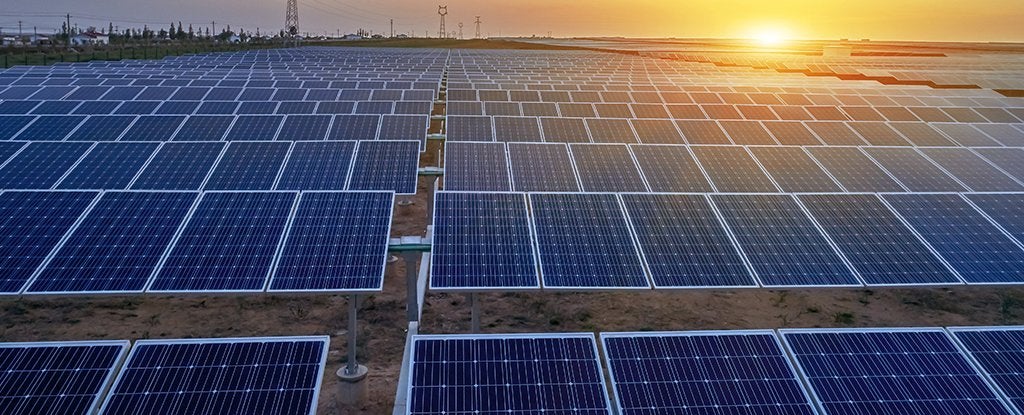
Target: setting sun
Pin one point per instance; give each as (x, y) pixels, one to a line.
(769, 37)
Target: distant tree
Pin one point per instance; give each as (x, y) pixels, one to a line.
(207, 31)
(191, 33)
(163, 34)
(181, 33)
(110, 28)
(169, 33)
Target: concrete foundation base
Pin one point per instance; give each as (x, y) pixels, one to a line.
(352, 387)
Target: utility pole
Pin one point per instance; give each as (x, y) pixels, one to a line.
(214, 23)
(442, 11)
(477, 27)
(291, 18)
(460, 30)
(69, 29)
(392, 27)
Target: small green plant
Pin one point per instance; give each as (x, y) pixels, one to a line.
(843, 318)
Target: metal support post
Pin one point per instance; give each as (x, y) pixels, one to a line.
(474, 318)
(412, 307)
(352, 387)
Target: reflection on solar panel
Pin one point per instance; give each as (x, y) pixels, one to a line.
(913, 170)
(57, 377)
(556, 373)
(783, 245)
(669, 168)
(973, 246)
(279, 375)
(117, 245)
(336, 242)
(153, 128)
(469, 128)
(878, 134)
(354, 127)
(835, 133)
(228, 243)
(794, 170)
(179, 166)
(921, 134)
(314, 165)
(305, 127)
(482, 240)
(877, 244)
(50, 128)
(108, 166)
(698, 373)
(703, 132)
(41, 165)
(792, 133)
(606, 168)
(476, 167)
(102, 128)
(854, 170)
(386, 165)
(732, 170)
(255, 127)
(248, 166)
(1007, 210)
(33, 224)
(997, 351)
(748, 133)
(972, 170)
(541, 168)
(890, 371)
(683, 242)
(584, 242)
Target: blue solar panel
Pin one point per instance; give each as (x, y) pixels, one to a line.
(336, 242)
(297, 107)
(108, 166)
(782, 243)
(248, 166)
(998, 352)
(33, 224)
(386, 165)
(404, 127)
(14, 107)
(217, 107)
(102, 128)
(153, 128)
(541, 168)
(50, 128)
(733, 170)
(878, 245)
(41, 165)
(979, 251)
(584, 242)
(913, 170)
(11, 125)
(606, 168)
(890, 371)
(476, 167)
(56, 107)
(117, 245)
(305, 127)
(138, 107)
(228, 243)
(972, 170)
(1007, 210)
(854, 170)
(97, 107)
(177, 107)
(257, 107)
(704, 373)
(179, 166)
(482, 240)
(8, 149)
(683, 242)
(794, 170)
(354, 127)
(501, 374)
(669, 168)
(317, 165)
(57, 377)
(271, 375)
(204, 128)
(255, 127)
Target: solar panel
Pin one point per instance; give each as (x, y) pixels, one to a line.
(57, 377)
(336, 242)
(584, 242)
(878, 245)
(921, 134)
(705, 372)
(204, 128)
(791, 133)
(117, 245)
(913, 170)
(354, 127)
(305, 127)
(177, 107)
(541, 168)
(405, 127)
(476, 167)
(889, 371)
(878, 134)
(279, 375)
(782, 244)
(684, 243)
(657, 132)
(228, 243)
(255, 127)
(972, 170)
(533, 373)
(1007, 210)
(979, 251)
(179, 166)
(835, 133)
(468, 128)
(108, 166)
(606, 168)
(564, 130)
(386, 166)
(153, 128)
(248, 165)
(854, 170)
(1005, 134)
(11, 125)
(102, 128)
(50, 128)
(482, 241)
(517, 129)
(1008, 160)
(747, 133)
(997, 352)
(733, 170)
(40, 165)
(794, 170)
(966, 135)
(607, 130)
(137, 107)
(670, 168)
(317, 165)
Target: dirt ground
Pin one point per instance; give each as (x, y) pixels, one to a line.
(382, 326)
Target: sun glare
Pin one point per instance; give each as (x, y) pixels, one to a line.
(769, 38)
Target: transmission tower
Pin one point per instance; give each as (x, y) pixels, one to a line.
(477, 27)
(460, 30)
(443, 11)
(291, 18)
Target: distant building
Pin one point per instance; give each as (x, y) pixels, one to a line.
(234, 39)
(10, 41)
(40, 40)
(351, 36)
(90, 38)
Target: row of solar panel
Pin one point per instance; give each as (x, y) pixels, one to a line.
(269, 375)
(174, 93)
(248, 165)
(915, 371)
(214, 127)
(213, 107)
(744, 132)
(582, 241)
(557, 167)
(78, 242)
(402, 76)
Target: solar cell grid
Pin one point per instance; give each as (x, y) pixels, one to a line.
(469, 128)
(108, 166)
(248, 166)
(540, 167)
(733, 170)
(703, 132)
(204, 128)
(255, 127)
(996, 350)
(179, 166)
(405, 127)
(794, 170)
(304, 127)
(564, 130)
(1008, 160)
(354, 127)
(517, 129)
(476, 167)
(913, 170)
(40, 165)
(316, 165)
(11, 125)
(972, 170)
(50, 128)
(386, 165)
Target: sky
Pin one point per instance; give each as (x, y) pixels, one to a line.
(936, 20)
